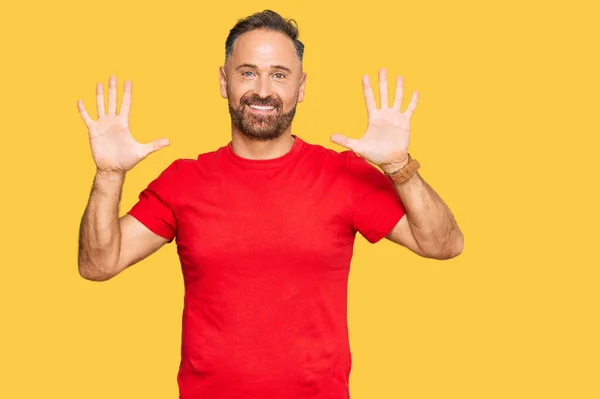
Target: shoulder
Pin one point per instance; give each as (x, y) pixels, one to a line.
(182, 168)
(175, 168)
(186, 165)
(360, 171)
(171, 175)
(346, 164)
(346, 158)
(327, 155)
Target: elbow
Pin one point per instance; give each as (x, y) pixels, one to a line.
(451, 254)
(453, 248)
(95, 277)
(445, 250)
(92, 272)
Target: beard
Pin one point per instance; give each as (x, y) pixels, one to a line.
(261, 127)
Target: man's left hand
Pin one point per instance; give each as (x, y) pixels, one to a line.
(385, 142)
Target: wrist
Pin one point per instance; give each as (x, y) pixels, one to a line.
(402, 172)
(393, 166)
(110, 175)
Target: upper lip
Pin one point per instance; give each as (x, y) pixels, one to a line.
(262, 105)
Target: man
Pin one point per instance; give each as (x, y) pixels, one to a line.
(265, 225)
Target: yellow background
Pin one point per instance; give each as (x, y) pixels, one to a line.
(506, 130)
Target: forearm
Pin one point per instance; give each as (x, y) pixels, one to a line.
(100, 233)
(431, 222)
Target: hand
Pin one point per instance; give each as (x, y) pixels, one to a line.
(113, 147)
(386, 141)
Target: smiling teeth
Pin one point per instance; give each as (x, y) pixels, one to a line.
(261, 107)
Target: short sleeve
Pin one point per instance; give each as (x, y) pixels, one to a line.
(376, 206)
(155, 208)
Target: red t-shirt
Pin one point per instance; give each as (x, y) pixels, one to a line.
(265, 249)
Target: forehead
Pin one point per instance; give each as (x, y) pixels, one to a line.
(264, 48)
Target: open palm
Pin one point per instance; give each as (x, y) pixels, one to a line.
(387, 136)
(113, 147)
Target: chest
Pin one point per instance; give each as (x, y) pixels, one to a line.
(253, 229)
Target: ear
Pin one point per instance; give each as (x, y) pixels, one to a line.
(223, 82)
(301, 88)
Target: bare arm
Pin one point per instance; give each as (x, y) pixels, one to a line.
(100, 231)
(429, 228)
(107, 244)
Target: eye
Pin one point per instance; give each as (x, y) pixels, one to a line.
(281, 76)
(245, 72)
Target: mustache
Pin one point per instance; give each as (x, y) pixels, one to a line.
(256, 100)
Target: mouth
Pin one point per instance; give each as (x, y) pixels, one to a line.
(261, 109)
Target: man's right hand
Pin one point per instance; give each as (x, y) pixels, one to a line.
(113, 147)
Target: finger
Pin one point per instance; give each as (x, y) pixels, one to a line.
(399, 93)
(155, 145)
(112, 95)
(344, 141)
(412, 105)
(100, 100)
(86, 118)
(369, 97)
(126, 103)
(383, 88)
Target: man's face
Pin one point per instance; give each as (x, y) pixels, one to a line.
(263, 83)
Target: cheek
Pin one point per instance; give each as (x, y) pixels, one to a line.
(290, 99)
(236, 98)
(236, 91)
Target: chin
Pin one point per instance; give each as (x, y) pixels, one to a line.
(260, 135)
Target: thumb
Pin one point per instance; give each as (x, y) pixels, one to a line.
(155, 145)
(344, 141)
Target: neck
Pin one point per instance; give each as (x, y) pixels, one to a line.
(254, 149)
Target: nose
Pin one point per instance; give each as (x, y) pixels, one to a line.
(263, 88)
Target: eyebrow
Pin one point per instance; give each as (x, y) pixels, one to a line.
(256, 67)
